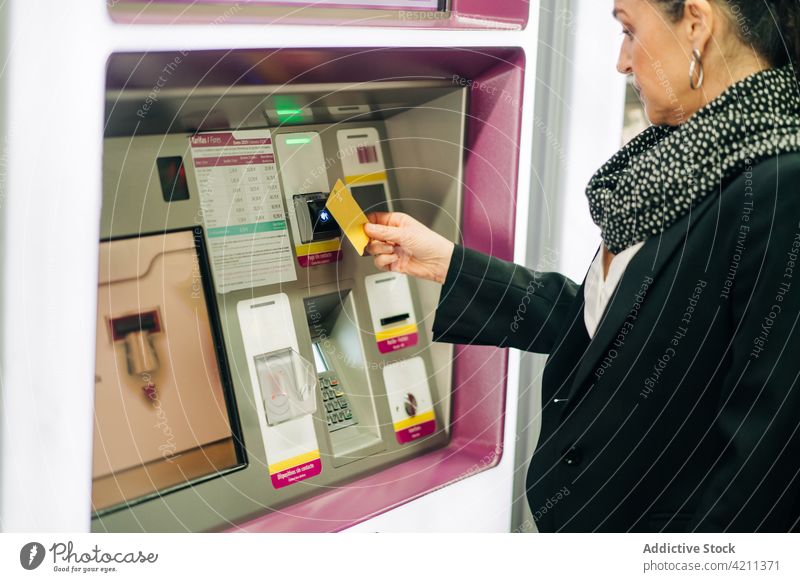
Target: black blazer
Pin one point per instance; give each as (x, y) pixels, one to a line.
(683, 412)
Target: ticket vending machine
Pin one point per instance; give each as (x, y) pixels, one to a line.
(253, 370)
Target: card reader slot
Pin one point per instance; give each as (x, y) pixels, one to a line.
(395, 318)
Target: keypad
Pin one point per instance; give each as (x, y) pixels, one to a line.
(338, 412)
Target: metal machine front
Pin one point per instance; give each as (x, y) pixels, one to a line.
(247, 356)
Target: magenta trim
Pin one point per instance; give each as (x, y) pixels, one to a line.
(398, 343)
(317, 259)
(296, 474)
(416, 432)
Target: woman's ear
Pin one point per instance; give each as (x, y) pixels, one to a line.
(698, 23)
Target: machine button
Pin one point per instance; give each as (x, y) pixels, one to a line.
(348, 415)
(334, 382)
(341, 416)
(334, 418)
(572, 456)
(342, 403)
(338, 393)
(329, 407)
(336, 405)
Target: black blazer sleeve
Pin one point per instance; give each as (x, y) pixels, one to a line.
(754, 484)
(488, 301)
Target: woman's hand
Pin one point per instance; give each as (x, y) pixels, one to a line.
(402, 244)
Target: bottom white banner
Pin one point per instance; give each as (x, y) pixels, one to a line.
(351, 557)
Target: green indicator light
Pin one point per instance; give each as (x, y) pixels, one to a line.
(290, 112)
(298, 140)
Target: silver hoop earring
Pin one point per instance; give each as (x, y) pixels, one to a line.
(697, 62)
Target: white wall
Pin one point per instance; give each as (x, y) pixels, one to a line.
(593, 129)
(54, 83)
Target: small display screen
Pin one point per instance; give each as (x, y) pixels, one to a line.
(172, 175)
(371, 198)
(165, 415)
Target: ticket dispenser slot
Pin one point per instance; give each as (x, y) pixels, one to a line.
(385, 321)
(347, 403)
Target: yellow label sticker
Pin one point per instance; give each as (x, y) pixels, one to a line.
(349, 215)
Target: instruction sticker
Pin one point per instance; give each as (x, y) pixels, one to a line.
(243, 213)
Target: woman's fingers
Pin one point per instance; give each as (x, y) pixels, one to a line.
(384, 233)
(377, 247)
(379, 217)
(390, 227)
(384, 261)
(389, 218)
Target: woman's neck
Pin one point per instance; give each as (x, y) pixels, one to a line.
(727, 75)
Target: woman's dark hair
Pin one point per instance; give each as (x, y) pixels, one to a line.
(771, 27)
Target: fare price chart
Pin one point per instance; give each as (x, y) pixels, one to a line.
(242, 208)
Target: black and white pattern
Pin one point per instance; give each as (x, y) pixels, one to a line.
(664, 171)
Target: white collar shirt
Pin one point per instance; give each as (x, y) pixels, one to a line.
(598, 291)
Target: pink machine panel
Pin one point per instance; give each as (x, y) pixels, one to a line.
(410, 13)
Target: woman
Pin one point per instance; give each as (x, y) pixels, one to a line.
(670, 395)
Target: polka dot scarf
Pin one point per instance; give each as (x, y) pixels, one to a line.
(664, 171)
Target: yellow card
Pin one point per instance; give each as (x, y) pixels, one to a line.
(349, 215)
